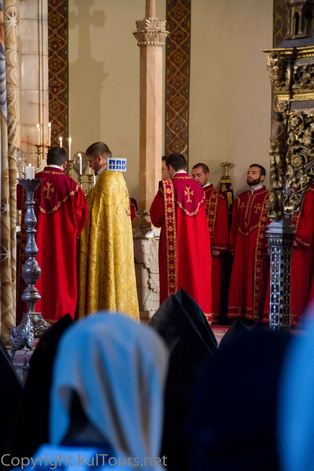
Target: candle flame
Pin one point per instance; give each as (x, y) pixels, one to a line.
(38, 126)
(49, 125)
(70, 140)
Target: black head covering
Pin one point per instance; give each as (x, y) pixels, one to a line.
(232, 425)
(236, 328)
(182, 324)
(258, 326)
(11, 396)
(32, 426)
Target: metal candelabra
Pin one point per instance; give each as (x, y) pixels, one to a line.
(32, 325)
(280, 236)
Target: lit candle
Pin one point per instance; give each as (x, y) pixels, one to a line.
(81, 169)
(49, 134)
(60, 140)
(70, 144)
(30, 172)
(94, 179)
(38, 134)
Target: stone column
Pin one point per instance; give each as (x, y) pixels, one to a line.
(146, 244)
(33, 62)
(151, 35)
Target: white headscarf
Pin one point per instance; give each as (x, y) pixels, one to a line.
(118, 369)
(296, 404)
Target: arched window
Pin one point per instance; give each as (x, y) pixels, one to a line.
(308, 24)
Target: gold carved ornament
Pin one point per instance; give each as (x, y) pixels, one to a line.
(299, 160)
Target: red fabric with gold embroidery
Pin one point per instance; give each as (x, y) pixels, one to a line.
(61, 211)
(217, 220)
(184, 248)
(302, 261)
(251, 262)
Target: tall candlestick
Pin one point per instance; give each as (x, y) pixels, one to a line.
(30, 172)
(60, 140)
(38, 134)
(70, 144)
(81, 169)
(49, 134)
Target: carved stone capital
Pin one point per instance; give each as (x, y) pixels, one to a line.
(151, 32)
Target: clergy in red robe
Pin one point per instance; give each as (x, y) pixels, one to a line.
(61, 211)
(217, 220)
(248, 243)
(133, 208)
(302, 260)
(184, 247)
(165, 175)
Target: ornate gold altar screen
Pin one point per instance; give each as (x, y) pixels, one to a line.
(291, 71)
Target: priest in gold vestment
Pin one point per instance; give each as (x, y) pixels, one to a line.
(107, 273)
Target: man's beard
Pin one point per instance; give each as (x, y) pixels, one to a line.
(254, 182)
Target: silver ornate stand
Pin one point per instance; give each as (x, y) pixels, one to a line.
(32, 325)
(280, 236)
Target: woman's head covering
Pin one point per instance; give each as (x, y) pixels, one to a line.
(233, 418)
(11, 395)
(185, 329)
(295, 401)
(118, 369)
(34, 412)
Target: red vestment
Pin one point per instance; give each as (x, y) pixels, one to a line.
(133, 208)
(250, 268)
(61, 211)
(217, 220)
(302, 260)
(184, 246)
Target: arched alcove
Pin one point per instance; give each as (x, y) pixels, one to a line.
(296, 23)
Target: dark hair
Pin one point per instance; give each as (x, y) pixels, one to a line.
(57, 156)
(204, 167)
(177, 162)
(98, 148)
(263, 171)
(164, 158)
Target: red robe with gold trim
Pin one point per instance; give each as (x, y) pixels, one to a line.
(302, 260)
(217, 220)
(250, 268)
(184, 247)
(61, 212)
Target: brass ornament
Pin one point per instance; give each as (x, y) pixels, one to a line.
(226, 166)
(299, 160)
(303, 76)
(277, 167)
(280, 71)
